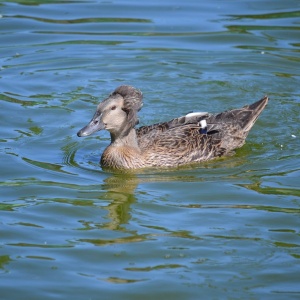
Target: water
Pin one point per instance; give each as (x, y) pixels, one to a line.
(223, 229)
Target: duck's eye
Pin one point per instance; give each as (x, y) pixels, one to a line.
(113, 107)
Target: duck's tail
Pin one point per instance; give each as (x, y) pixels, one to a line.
(234, 125)
(249, 114)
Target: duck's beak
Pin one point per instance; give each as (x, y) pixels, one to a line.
(95, 124)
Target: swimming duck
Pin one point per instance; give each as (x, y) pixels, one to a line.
(195, 137)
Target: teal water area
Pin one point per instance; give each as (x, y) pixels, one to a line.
(225, 229)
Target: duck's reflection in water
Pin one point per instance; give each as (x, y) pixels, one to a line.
(120, 189)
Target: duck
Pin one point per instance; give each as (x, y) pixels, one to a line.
(192, 138)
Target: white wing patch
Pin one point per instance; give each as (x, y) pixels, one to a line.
(196, 114)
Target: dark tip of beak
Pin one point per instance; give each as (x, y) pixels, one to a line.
(85, 131)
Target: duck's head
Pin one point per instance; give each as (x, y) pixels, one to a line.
(117, 113)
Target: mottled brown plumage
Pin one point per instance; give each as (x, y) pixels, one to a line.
(177, 142)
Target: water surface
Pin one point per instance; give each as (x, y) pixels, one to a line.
(222, 229)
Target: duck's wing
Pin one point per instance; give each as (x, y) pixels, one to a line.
(181, 141)
(190, 118)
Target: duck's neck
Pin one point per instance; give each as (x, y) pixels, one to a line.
(121, 140)
(123, 152)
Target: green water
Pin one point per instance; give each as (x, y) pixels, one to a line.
(227, 229)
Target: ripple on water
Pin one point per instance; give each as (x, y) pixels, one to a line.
(229, 226)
